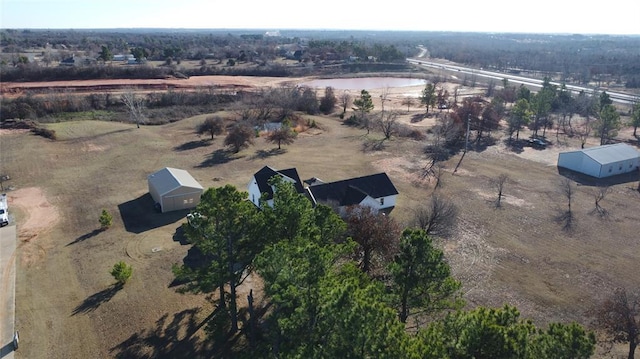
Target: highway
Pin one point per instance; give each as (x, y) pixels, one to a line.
(536, 83)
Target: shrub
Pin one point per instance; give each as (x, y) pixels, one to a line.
(45, 132)
(121, 272)
(105, 220)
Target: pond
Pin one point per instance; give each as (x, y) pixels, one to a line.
(364, 83)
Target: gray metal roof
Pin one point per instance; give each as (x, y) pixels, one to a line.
(612, 153)
(168, 179)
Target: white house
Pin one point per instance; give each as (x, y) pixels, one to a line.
(601, 161)
(259, 185)
(375, 191)
(173, 189)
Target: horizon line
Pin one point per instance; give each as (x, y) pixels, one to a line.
(311, 29)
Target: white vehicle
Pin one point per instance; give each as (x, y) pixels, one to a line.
(4, 211)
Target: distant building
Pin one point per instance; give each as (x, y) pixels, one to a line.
(601, 161)
(123, 58)
(69, 61)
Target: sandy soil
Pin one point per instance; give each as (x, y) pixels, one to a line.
(38, 216)
(232, 82)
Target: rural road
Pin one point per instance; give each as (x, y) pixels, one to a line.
(615, 96)
(7, 290)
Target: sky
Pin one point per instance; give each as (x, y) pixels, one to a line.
(616, 17)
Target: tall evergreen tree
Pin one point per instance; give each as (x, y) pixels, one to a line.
(421, 276)
(223, 229)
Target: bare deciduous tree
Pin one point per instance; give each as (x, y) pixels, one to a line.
(408, 101)
(437, 217)
(584, 131)
(498, 184)
(446, 133)
(388, 124)
(284, 135)
(384, 97)
(135, 106)
(599, 193)
(619, 317)
(375, 233)
(345, 101)
(239, 137)
(212, 125)
(437, 172)
(566, 218)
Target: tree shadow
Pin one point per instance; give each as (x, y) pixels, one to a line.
(262, 154)
(139, 215)
(94, 301)
(218, 157)
(93, 137)
(515, 145)
(194, 259)
(483, 144)
(191, 145)
(418, 117)
(86, 236)
(172, 337)
(179, 236)
(370, 145)
(567, 221)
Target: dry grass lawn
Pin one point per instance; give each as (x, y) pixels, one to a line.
(67, 306)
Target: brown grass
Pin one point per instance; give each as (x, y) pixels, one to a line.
(516, 254)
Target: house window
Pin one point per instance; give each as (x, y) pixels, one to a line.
(382, 201)
(190, 200)
(186, 201)
(610, 169)
(620, 169)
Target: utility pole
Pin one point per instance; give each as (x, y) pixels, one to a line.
(466, 144)
(466, 141)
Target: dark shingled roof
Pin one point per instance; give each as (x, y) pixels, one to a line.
(266, 173)
(354, 190)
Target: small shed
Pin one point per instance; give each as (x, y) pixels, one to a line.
(602, 161)
(174, 189)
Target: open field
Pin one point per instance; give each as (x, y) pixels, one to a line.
(67, 306)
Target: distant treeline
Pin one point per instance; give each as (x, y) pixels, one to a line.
(574, 58)
(37, 73)
(29, 73)
(579, 59)
(55, 106)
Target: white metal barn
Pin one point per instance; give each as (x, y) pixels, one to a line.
(174, 189)
(601, 161)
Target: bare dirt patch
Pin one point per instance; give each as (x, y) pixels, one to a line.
(87, 86)
(5, 132)
(39, 216)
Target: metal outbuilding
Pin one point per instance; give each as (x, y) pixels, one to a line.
(174, 189)
(602, 161)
